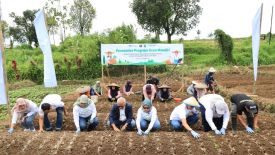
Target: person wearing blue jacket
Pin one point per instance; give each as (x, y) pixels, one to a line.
(121, 116)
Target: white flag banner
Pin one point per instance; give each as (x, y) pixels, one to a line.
(256, 33)
(3, 95)
(45, 45)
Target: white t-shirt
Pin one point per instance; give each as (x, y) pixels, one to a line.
(122, 116)
(84, 112)
(151, 116)
(32, 109)
(181, 112)
(210, 102)
(54, 100)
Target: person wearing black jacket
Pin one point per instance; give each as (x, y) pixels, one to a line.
(121, 116)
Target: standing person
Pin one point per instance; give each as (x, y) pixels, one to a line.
(51, 103)
(164, 93)
(121, 116)
(191, 89)
(147, 119)
(113, 92)
(149, 91)
(243, 103)
(25, 110)
(128, 88)
(185, 115)
(209, 80)
(216, 115)
(84, 114)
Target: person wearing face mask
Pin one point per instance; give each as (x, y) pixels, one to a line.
(26, 111)
(209, 80)
(121, 116)
(147, 119)
(164, 93)
(216, 115)
(84, 114)
(241, 103)
(128, 88)
(184, 116)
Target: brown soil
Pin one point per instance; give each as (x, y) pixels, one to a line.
(105, 141)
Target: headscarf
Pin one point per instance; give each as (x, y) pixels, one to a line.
(21, 105)
(147, 102)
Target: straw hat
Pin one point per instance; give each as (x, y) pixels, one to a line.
(195, 82)
(113, 85)
(191, 101)
(201, 86)
(212, 70)
(83, 89)
(164, 86)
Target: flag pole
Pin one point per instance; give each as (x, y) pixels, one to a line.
(4, 67)
(270, 34)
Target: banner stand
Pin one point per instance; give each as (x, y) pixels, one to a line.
(145, 74)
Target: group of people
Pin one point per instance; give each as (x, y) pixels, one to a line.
(213, 109)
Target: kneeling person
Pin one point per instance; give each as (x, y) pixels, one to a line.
(185, 115)
(164, 93)
(84, 112)
(243, 103)
(51, 103)
(215, 114)
(121, 116)
(147, 119)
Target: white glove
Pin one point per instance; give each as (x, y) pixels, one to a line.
(140, 132)
(217, 132)
(91, 120)
(146, 132)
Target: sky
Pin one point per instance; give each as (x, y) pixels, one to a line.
(233, 16)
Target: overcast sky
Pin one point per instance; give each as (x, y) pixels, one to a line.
(232, 16)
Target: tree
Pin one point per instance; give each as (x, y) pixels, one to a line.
(225, 43)
(25, 27)
(82, 13)
(122, 34)
(169, 16)
(5, 28)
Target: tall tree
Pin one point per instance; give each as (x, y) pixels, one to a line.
(25, 27)
(82, 13)
(169, 16)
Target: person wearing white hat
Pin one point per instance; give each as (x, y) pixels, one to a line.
(209, 79)
(216, 115)
(84, 114)
(185, 115)
(147, 119)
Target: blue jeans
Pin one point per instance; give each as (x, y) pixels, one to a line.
(28, 122)
(85, 124)
(59, 120)
(176, 125)
(119, 124)
(144, 125)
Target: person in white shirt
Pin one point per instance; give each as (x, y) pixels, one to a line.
(216, 115)
(25, 110)
(147, 119)
(84, 113)
(185, 115)
(51, 103)
(191, 89)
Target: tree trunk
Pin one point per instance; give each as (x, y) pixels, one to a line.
(169, 36)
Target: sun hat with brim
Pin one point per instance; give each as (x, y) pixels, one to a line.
(113, 85)
(201, 86)
(164, 86)
(191, 101)
(212, 70)
(83, 89)
(84, 99)
(195, 82)
(251, 107)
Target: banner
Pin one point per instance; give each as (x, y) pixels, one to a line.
(45, 45)
(256, 33)
(141, 54)
(3, 95)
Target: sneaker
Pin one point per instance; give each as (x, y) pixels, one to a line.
(57, 129)
(27, 130)
(33, 130)
(49, 129)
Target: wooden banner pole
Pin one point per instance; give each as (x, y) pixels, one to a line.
(145, 74)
